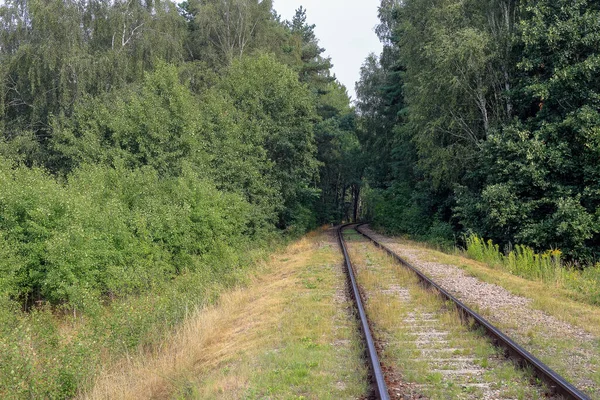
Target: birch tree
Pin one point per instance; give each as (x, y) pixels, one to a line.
(231, 25)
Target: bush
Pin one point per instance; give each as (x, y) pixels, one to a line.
(47, 355)
(109, 232)
(109, 260)
(480, 250)
(153, 201)
(394, 211)
(441, 234)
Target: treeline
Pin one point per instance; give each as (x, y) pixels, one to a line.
(483, 117)
(149, 152)
(137, 138)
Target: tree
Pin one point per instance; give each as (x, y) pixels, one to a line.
(312, 67)
(282, 109)
(229, 26)
(44, 63)
(155, 125)
(342, 161)
(56, 52)
(542, 170)
(430, 101)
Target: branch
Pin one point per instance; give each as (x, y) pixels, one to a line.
(132, 33)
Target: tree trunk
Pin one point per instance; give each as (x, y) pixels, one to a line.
(356, 201)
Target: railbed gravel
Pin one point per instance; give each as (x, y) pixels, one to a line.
(514, 314)
(445, 355)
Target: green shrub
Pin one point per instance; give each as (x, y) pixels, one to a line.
(109, 231)
(481, 250)
(110, 259)
(44, 354)
(394, 211)
(585, 283)
(441, 234)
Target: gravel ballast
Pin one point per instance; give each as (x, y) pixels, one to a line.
(570, 350)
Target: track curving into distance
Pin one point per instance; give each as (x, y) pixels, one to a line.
(556, 383)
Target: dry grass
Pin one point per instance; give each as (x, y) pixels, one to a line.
(550, 299)
(214, 335)
(224, 351)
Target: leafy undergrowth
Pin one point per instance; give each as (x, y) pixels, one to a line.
(105, 262)
(582, 285)
(287, 334)
(46, 353)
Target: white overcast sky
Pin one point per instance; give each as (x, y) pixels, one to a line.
(345, 29)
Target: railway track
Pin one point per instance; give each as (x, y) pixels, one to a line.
(379, 385)
(557, 385)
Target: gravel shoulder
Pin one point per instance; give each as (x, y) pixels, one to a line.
(422, 344)
(571, 350)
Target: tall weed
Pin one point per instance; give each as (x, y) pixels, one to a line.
(548, 267)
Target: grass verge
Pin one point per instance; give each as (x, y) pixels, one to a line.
(579, 284)
(553, 300)
(288, 335)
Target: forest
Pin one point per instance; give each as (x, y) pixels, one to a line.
(489, 115)
(151, 152)
(189, 131)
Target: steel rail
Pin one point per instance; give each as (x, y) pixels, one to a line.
(556, 383)
(380, 387)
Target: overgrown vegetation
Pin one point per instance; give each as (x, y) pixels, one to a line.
(149, 153)
(51, 353)
(523, 261)
(483, 116)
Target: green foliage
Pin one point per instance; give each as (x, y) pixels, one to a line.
(76, 49)
(396, 212)
(453, 91)
(485, 113)
(163, 126)
(539, 187)
(312, 67)
(380, 101)
(237, 159)
(45, 356)
(154, 125)
(343, 163)
(149, 248)
(547, 267)
(480, 250)
(282, 111)
(224, 31)
(69, 254)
